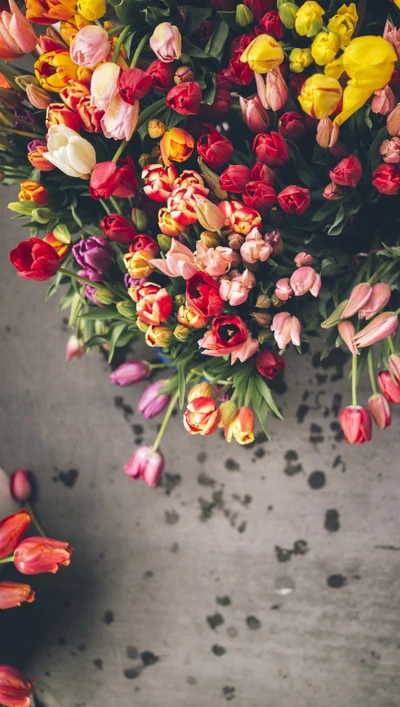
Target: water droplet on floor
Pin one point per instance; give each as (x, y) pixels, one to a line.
(284, 586)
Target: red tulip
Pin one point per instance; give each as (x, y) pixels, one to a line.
(214, 148)
(262, 173)
(35, 260)
(143, 242)
(154, 304)
(291, 126)
(159, 181)
(113, 179)
(386, 179)
(389, 387)
(234, 178)
(37, 555)
(219, 108)
(259, 7)
(118, 228)
(185, 98)
(238, 72)
(260, 196)
(202, 295)
(12, 529)
(271, 149)
(15, 690)
(294, 199)
(356, 424)
(347, 173)
(162, 74)
(269, 363)
(14, 594)
(134, 84)
(58, 114)
(271, 24)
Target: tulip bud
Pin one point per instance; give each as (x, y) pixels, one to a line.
(145, 159)
(235, 241)
(42, 215)
(327, 133)
(389, 387)
(183, 73)
(201, 390)
(21, 485)
(179, 300)
(347, 331)
(12, 529)
(336, 316)
(7, 118)
(156, 128)
(164, 242)
(130, 372)
(126, 309)
(212, 179)
(74, 348)
(380, 410)
(152, 401)
(379, 328)
(241, 427)
(333, 192)
(38, 97)
(9, 99)
(210, 240)
(359, 297)
(37, 555)
(287, 14)
(380, 296)
(262, 318)
(244, 16)
(390, 150)
(209, 214)
(394, 365)
(181, 332)
(161, 336)
(356, 424)
(263, 302)
(393, 122)
(384, 101)
(14, 594)
(228, 410)
(105, 296)
(139, 220)
(156, 153)
(25, 80)
(145, 464)
(142, 326)
(15, 689)
(275, 241)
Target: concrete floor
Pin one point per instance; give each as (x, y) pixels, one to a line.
(186, 595)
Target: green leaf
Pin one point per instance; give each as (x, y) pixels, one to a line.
(216, 43)
(230, 19)
(304, 171)
(61, 232)
(193, 51)
(94, 313)
(117, 331)
(374, 157)
(337, 225)
(267, 395)
(261, 410)
(194, 16)
(96, 340)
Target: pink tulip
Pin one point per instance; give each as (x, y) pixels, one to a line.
(283, 290)
(16, 32)
(286, 329)
(21, 486)
(303, 259)
(130, 372)
(120, 120)
(37, 555)
(383, 101)
(145, 464)
(90, 46)
(38, 97)
(347, 331)
(305, 279)
(178, 262)
(236, 287)
(359, 297)
(393, 122)
(392, 35)
(152, 401)
(13, 594)
(390, 150)
(333, 192)
(389, 387)
(356, 424)
(380, 296)
(380, 410)
(15, 689)
(255, 248)
(394, 365)
(214, 261)
(273, 93)
(166, 42)
(379, 328)
(254, 115)
(327, 133)
(74, 348)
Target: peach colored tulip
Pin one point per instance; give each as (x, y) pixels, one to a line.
(90, 46)
(254, 115)
(14, 594)
(380, 410)
(283, 290)
(255, 248)
(241, 427)
(16, 33)
(359, 297)
(119, 121)
(383, 101)
(214, 261)
(38, 96)
(104, 85)
(305, 279)
(166, 42)
(380, 296)
(303, 259)
(178, 262)
(286, 329)
(379, 328)
(273, 92)
(347, 331)
(327, 133)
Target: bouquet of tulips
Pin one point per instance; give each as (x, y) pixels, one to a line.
(219, 177)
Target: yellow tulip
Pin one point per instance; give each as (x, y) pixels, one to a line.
(309, 19)
(299, 60)
(344, 23)
(91, 9)
(263, 54)
(320, 96)
(54, 70)
(369, 63)
(325, 47)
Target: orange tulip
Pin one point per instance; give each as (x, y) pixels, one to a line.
(241, 427)
(33, 191)
(176, 145)
(37, 160)
(47, 12)
(62, 249)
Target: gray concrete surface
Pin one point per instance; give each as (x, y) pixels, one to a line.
(192, 577)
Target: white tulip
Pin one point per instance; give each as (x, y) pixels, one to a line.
(70, 152)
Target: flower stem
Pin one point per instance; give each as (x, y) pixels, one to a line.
(7, 559)
(150, 112)
(105, 207)
(165, 421)
(18, 132)
(35, 520)
(115, 204)
(371, 371)
(114, 30)
(354, 381)
(138, 50)
(391, 345)
(119, 42)
(120, 151)
(84, 280)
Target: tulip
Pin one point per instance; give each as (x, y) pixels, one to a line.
(320, 95)
(58, 114)
(309, 19)
(12, 529)
(356, 424)
(347, 173)
(214, 261)
(344, 23)
(111, 179)
(241, 427)
(35, 260)
(390, 150)
(269, 363)
(168, 225)
(380, 410)
(380, 296)
(182, 202)
(287, 14)
(255, 248)
(347, 331)
(201, 416)
(201, 390)
(133, 85)
(271, 149)
(36, 150)
(369, 63)
(74, 348)
(394, 365)
(15, 690)
(393, 122)
(17, 36)
(130, 372)
(386, 179)
(94, 255)
(303, 259)
(229, 335)
(118, 229)
(152, 401)
(327, 133)
(37, 555)
(262, 173)
(236, 287)
(332, 192)
(254, 114)
(176, 145)
(291, 126)
(294, 199)
(384, 101)
(70, 152)
(33, 191)
(300, 59)
(138, 264)
(263, 54)
(185, 98)
(166, 42)
(154, 304)
(55, 69)
(190, 318)
(21, 487)
(156, 128)
(283, 290)
(389, 387)
(61, 247)
(91, 9)
(178, 262)
(286, 329)
(214, 148)
(90, 47)
(104, 85)
(208, 214)
(392, 35)
(162, 75)
(120, 119)
(359, 297)
(273, 93)
(13, 594)
(37, 96)
(145, 464)
(379, 328)
(234, 178)
(270, 23)
(183, 73)
(305, 279)
(325, 47)
(160, 336)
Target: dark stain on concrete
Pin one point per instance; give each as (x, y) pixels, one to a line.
(229, 693)
(149, 658)
(316, 434)
(169, 482)
(223, 601)
(293, 466)
(336, 581)
(132, 652)
(337, 430)
(253, 623)
(332, 523)
(317, 480)
(302, 412)
(108, 617)
(131, 673)
(204, 480)
(300, 547)
(120, 404)
(68, 478)
(215, 620)
(231, 465)
(171, 517)
(218, 650)
(338, 461)
(98, 663)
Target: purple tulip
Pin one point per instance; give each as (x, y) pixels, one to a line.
(145, 464)
(152, 402)
(130, 281)
(94, 255)
(34, 144)
(130, 372)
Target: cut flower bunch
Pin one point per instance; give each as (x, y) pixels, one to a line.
(220, 178)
